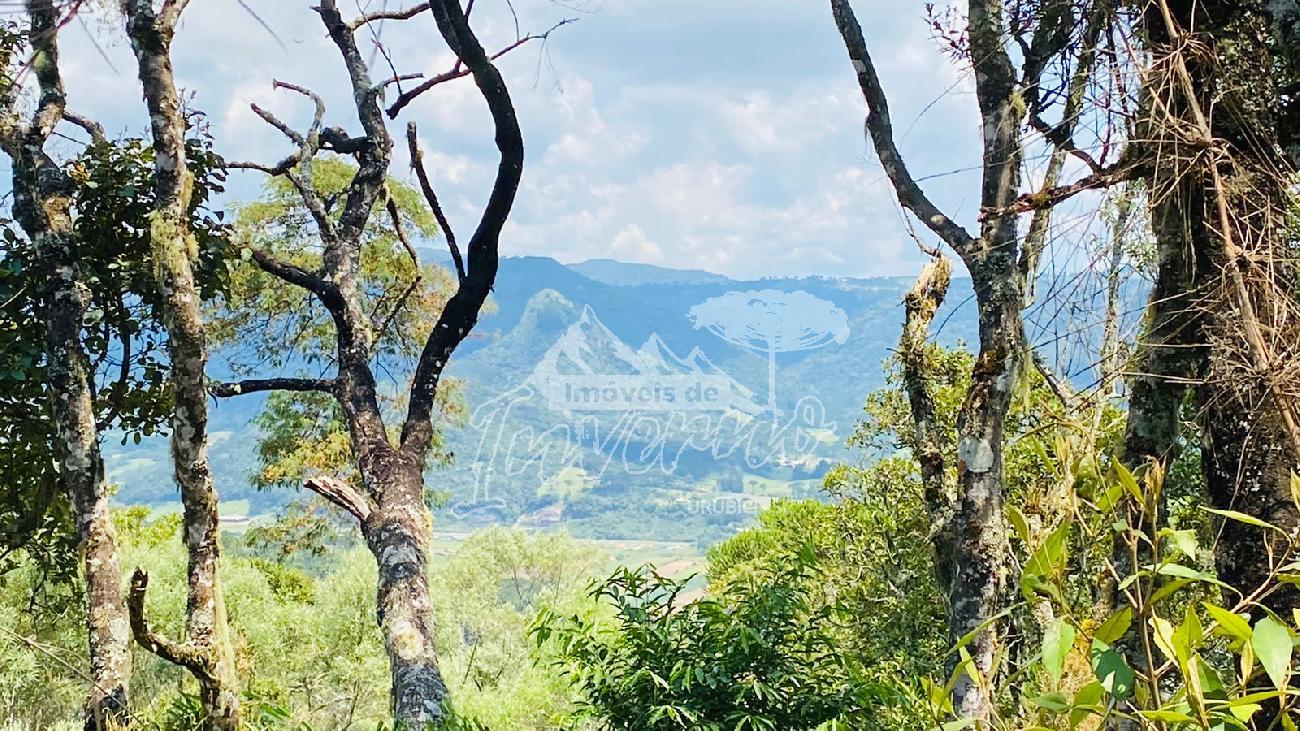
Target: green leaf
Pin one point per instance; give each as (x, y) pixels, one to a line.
(1230, 625)
(1179, 571)
(1163, 634)
(1057, 701)
(1241, 518)
(1167, 716)
(1044, 564)
(1087, 702)
(1057, 641)
(1127, 480)
(1169, 588)
(1115, 626)
(1114, 674)
(1018, 522)
(1184, 541)
(1272, 643)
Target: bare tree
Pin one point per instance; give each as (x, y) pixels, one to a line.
(206, 651)
(390, 508)
(43, 198)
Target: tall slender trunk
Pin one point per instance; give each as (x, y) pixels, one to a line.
(81, 469)
(42, 205)
(210, 655)
(978, 566)
(981, 559)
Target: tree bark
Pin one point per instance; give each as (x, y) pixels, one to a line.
(43, 195)
(920, 306)
(1229, 209)
(174, 254)
(398, 534)
(978, 566)
(389, 504)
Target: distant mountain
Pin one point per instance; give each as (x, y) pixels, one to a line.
(643, 450)
(623, 274)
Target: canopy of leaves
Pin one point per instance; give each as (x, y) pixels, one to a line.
(278, 326)
(122, 336)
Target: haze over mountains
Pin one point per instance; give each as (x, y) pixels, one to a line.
(620, 461)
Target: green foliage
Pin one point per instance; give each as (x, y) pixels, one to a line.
(759, 656)
(307, 648)
(122, 339)
(486, 597)
(873, 562)
(277, 325)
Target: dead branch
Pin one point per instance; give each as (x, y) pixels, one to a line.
(1120, 172)
(459, 70)
(258, 385)
(405, 14)
(341, 494)
(417, 164)
(881, 131)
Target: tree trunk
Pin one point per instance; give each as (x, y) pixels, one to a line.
(81, 469)
(1232, 205)
(1171, 352)
(398, 534)
(42, 206)
(978, 564)
(173, 251)
(920, 305)
(980, 572)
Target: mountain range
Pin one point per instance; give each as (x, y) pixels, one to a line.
(622, 461)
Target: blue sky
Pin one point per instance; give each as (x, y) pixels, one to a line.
(724, 135)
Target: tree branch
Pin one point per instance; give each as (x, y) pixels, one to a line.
(257, 385)
(389, 15)
(417, 164)
(462, 310)
(269, 263)
(91, 127)
(374, 149)
(1120, 172)
(880, 129)
(341, 494)
(459, 70)
(182, 654)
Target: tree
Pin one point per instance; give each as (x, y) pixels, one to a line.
(43, 199)
(976, 568)
(390, 507)
(1221, 324)
(207, 651)
(773, 321)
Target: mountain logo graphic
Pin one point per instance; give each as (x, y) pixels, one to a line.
(589, 368)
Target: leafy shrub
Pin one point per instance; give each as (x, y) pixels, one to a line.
(757, 657)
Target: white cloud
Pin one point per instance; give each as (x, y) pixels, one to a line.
(742, 155)
(631, 244)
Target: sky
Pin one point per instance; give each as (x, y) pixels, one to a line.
(724, 135)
